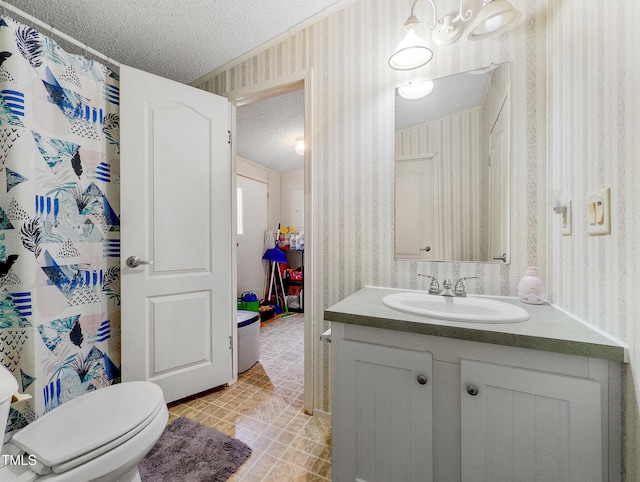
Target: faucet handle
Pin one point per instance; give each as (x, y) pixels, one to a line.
(459, 288)
(467, 277)
(434, 286)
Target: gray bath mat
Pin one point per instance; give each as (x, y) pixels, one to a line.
(191, 452)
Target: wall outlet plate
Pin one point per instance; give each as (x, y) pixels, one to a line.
(599, 212)
(567, 220)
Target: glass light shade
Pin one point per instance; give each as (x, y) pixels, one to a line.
(494, 23)
(412, 52)
(496, 17)
(299, 147)
(416, 91)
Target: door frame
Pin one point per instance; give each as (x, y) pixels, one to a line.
(282, 85)
(505, 172)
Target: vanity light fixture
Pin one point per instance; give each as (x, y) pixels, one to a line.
(412, 52)
(299, 147)
(445, 30)
(495, 18)
(416, 90)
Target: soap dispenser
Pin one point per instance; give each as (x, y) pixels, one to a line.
(531, 290)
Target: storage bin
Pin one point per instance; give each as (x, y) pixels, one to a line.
(248, 301)
(249, 305)
(267, 311)
(294, 290)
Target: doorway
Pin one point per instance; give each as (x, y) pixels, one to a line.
(273, 91)
(270, 177)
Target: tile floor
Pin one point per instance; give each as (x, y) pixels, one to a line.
(264, 409)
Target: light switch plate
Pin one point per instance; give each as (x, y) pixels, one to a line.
(600, 202)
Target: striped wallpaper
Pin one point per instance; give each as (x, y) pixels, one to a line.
(413, 142)
(585, 51)
(594, 140)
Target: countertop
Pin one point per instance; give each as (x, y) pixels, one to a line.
(548, 329)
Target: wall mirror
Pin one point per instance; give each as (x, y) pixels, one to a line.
(452, 168)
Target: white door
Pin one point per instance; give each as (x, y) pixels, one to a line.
(529, 426)
(255, 213)
(176, 205)
(382, 414)
(499, 199)
(417, 212)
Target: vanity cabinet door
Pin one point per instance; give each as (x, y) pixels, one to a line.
(527, 425)
(382, 414)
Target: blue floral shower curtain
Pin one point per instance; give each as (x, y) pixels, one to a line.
(59, 221)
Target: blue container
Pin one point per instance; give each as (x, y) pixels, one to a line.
(249, 296)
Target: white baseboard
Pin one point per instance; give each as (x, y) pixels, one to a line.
(322, 415)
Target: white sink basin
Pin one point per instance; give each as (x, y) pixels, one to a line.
(471, 309)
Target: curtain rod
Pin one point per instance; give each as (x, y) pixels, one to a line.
(57, 33)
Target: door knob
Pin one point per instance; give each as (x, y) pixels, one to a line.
(426, 248)
(472, 390)
(422, 380)
(502, 258)
(134, 262)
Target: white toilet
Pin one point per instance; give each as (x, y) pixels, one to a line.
(99, 436)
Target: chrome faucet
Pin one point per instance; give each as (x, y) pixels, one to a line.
(434, 286)
(459, 289)
(446, 288)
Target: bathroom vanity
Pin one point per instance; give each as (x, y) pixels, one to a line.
(423, 399)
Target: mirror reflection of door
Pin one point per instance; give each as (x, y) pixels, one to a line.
(252, 223)
(417, 210)
(455, 123)
(499, 193)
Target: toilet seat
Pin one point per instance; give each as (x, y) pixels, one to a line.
(81, 430)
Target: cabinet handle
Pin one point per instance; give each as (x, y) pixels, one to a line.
(422, 380)
(472, 390)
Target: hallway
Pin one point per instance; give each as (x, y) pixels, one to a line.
(265, 410)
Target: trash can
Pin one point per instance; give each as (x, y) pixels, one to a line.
(248, 339)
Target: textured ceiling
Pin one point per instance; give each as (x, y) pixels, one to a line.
(177, 39)
(184, 40)
(266, 131)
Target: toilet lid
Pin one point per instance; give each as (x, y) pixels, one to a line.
(247, 317)
(89, 422)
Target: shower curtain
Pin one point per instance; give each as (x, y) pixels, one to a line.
(59, 222)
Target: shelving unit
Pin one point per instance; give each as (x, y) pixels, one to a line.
(295, 287)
